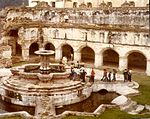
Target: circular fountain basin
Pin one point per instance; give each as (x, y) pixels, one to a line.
(23, 87)
(31, 81)
(44, 52)
(24, 92)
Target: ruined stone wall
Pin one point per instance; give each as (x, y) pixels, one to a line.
(124, 30)
(5, 56)
(122, 16)
(5, 49)
(95, 3)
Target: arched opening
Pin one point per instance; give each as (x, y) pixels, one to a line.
(87, 55)
(12, 41)
(50, 46)
(18, 50)
(110, 58)
(13, 33)
(89, 5)
(137, 61)
(103, 91)
(67, 51)
(33, 47)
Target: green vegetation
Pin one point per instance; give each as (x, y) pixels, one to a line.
(19, 63)
(13, 117)
(142, 98)
(144, 82)
(112, 114)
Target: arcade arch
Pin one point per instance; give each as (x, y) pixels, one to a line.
(87, 55)
(137, 61)
(68, 52)
(110, 58)
(33, 47)
(50, 46)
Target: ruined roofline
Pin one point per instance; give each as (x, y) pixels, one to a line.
(120, 28)
(25, 9)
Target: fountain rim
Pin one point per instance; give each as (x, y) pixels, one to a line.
(44, 52)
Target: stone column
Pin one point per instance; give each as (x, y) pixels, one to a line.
(148, 67)
(77, 56)
(25, 54)
(98, 60)
(123, 63)
(58, 54)
(45, 107)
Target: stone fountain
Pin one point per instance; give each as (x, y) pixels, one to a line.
(32, 81)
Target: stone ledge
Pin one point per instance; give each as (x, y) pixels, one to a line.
(96, 113)
(23, 114)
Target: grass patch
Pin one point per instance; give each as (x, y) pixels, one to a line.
(144, 82)
(112, 114)
(13, 117)
(19, 63)
(142, 98)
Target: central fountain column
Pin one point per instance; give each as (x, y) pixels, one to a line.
(44, 60)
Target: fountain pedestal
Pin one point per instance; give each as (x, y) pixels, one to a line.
(45, 60)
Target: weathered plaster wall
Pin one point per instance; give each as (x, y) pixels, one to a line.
(95, 3)
(120, 16)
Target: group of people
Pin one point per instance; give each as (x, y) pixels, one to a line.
(109, 76)
(79, 73)
(127, 75)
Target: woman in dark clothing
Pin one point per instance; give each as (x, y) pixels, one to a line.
(114, 75)
(92, 75)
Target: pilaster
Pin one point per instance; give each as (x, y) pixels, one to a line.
(98, 60)
(123, 63)
(77, 56)
(148, 67)
(58, 54)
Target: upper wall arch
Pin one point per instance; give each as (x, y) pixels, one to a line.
(131, 51)
(85, 45)
(62, 44)
(109, 48)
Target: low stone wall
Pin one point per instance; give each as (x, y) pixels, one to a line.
(22, 114)
(122, 88)
(96, 113)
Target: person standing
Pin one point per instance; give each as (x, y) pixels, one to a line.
(104, 78)
(125, 73)
(82, 74)
(129, 75)
(71, 73)
(92, 75)
(109, 76)
(114, 75)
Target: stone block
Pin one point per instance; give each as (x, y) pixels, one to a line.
(120, 100)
